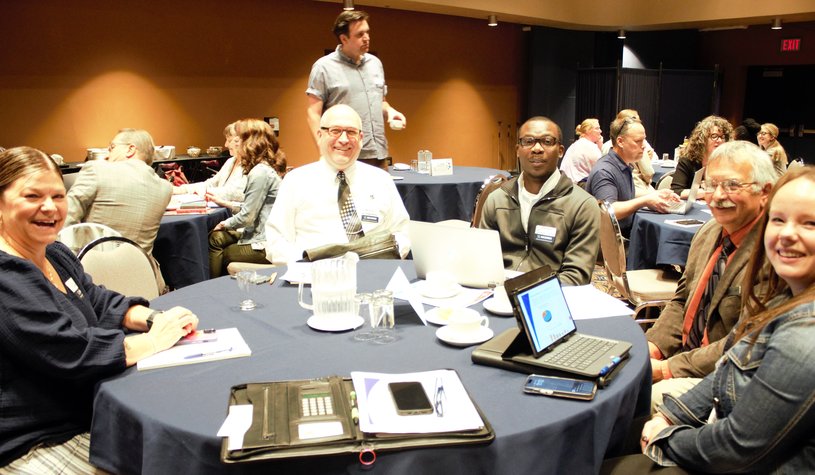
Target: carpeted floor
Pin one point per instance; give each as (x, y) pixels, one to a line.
(599, 279)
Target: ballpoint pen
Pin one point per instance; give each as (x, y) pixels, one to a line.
(438, 405)
(615, 360)
(210, 353)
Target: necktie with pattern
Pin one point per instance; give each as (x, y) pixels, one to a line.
(348, 213)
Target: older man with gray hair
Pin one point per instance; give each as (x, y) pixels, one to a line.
(123, 192)
(691, 332)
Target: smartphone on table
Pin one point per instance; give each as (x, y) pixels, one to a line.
(560, 387)
(410, 398)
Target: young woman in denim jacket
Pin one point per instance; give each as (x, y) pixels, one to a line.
(756, 412)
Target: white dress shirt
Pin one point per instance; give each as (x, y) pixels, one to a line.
(306, 215)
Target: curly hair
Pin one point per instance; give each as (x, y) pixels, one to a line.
(697, 143)
(259, 144)
(756, 314)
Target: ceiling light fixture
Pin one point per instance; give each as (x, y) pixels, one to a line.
(776, 24)
(621, 34)
(348, 4)
(492, 20)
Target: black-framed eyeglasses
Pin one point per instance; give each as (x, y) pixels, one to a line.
(338, 131)
(728, 186)
(438, 402)
(545, 141)
(722, 137)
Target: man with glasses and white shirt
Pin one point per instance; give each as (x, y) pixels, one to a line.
(335, 199)
(611, 179)
(690, 334)
(542, 216)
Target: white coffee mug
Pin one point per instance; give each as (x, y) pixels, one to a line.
(467, 321)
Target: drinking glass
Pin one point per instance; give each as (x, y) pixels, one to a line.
(246, 282)
(382, 316)
(363, 305)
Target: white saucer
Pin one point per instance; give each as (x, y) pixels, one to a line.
(493, 307)
(402, 167)
(448, 336)
(335, 324)
(439, 293)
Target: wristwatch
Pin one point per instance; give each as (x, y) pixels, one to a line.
(150, 318)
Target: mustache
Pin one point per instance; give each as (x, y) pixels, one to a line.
(722, 204)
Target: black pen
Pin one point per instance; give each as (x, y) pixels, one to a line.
(615, 360)
(201, 355)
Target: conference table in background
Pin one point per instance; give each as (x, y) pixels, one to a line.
(164, 421)
(654, 242)
(438, 198)
(182, 246)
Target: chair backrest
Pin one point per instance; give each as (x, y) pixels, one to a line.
(613, 249)
(80, 235)
(121, 265)
(665, 181)
(794, 164)
(490, 184)
(68, 179)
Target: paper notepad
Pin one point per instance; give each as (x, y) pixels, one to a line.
(230, 344)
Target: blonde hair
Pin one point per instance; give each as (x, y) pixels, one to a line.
(586, 126)
(771, 129)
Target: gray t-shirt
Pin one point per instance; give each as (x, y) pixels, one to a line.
(336, 79)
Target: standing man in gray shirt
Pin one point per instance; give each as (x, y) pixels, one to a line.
(351, 76)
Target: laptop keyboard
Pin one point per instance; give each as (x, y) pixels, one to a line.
(578, 352)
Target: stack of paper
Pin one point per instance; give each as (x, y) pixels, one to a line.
(229, 344)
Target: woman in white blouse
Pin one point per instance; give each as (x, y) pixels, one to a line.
(226, 187)
(583, 153)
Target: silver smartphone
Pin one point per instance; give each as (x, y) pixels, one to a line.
(560, 387)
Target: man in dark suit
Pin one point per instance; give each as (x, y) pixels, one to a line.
(691, 332)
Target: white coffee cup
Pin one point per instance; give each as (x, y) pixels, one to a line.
(501, 298)
(439, 282)
(396, 124)
(467, 321)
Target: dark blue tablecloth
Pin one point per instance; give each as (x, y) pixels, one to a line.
(655, 242)
(438, 198)
(164, 421)
(182, 247)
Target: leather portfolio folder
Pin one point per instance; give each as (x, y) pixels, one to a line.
(280, 417)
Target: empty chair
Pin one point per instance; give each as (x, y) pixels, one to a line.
(80, 235)
(68, 179)
(642, 288)
(121, 265)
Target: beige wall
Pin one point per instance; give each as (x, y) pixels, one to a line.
(74, 72)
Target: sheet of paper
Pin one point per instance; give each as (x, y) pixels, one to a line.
(400, 286)
(237, 422)
(377, 412)
(230, 344)
(586, 302)
(298, 272)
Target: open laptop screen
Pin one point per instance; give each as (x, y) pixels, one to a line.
(544, 314)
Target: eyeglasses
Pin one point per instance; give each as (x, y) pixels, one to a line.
(114, 144)
(545, 141)
(763, 133)
(728, 186)
(717, 137)
(336, 132)
(438, 403)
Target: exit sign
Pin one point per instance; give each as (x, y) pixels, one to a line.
(790, 44)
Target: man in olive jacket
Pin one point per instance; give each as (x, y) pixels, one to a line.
(738, 179)
(543, 218)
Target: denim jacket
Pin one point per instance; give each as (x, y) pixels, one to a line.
(764, 402)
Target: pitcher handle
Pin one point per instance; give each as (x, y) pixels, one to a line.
(303, 304)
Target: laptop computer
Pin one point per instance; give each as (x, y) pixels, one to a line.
(684, 207)
(473, 256)
(551, 334)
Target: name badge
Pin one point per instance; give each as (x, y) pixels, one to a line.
(71, 285)
(369, 218)
(545, 233)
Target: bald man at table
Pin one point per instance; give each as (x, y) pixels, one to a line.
(691, 332)
(311, 208)
(543, 218)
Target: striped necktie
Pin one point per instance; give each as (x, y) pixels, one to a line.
(348, 213)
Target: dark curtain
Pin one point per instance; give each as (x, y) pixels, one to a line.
(639, 90)
(686, 97)
(595, 97)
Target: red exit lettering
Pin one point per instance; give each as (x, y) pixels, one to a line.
(790, 44)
